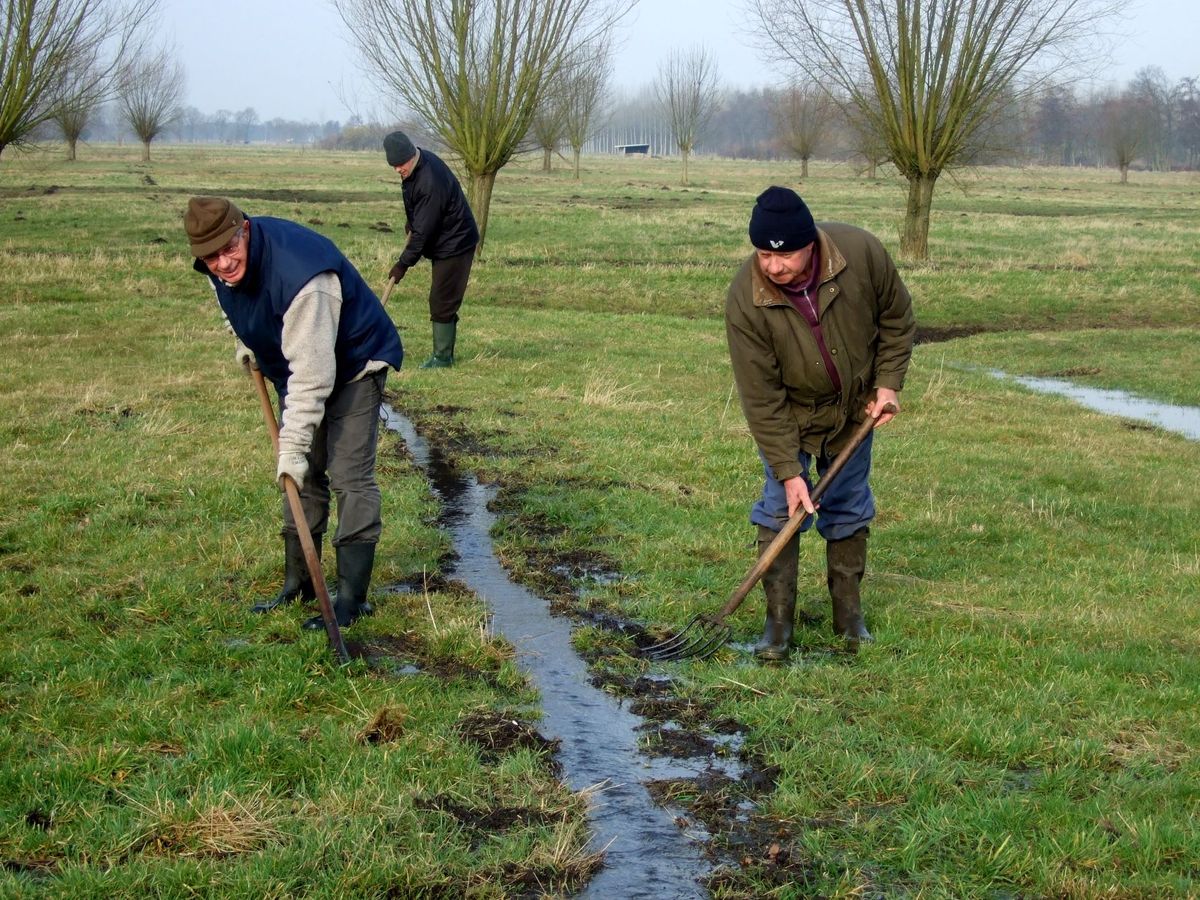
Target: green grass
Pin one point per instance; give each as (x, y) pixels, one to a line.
(1024, 725)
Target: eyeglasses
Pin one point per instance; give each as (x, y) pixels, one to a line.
(228, 250)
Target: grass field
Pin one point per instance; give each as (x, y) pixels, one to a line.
(1024, 726)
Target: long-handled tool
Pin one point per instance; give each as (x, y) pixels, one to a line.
(306, 541)
(704, 634)
(387, 290)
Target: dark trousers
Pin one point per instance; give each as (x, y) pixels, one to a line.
(846, 506)
(448, 285)
(342, 458)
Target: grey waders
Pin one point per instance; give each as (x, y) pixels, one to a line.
(846, 562)
(297, 582)
(354, 565)
(779, 584)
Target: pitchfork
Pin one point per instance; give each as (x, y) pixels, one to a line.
(704, 634)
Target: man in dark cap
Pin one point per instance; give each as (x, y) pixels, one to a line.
(820, 330)
(304, 316)
(440, 227)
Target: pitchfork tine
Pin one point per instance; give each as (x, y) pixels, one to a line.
(706, 643)
(667, 647)
(691, 642)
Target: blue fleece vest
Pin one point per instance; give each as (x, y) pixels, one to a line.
(284, 257)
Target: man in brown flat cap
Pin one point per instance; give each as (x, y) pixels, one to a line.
(304, 316)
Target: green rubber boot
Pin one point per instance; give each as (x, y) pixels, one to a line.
(297, 583)
(846, 562)
(444, 334)
(354, 565)
(779, 585)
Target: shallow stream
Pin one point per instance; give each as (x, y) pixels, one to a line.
(646, 854)
(1183, 420)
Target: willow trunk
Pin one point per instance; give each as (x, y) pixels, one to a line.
(479, 195)
(914, 234)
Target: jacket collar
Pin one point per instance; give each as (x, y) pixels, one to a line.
(829, 257)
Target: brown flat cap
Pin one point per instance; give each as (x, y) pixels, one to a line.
(210, 223)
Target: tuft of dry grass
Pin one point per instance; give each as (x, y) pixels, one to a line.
(386, 726)
(228, 826)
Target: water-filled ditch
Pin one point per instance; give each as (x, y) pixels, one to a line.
(1183, 420)
(646, 853)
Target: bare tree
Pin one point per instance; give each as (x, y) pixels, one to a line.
(1187, 99)
(803, 114)
(474, 70)
(151, 95)
(936, 71)
(245, 120)
(1127, 125)
(82, 94)
(867, 142)
(586, 90)
(550, 119)
(45, 46)
(688, 87)
(1151, 89)
(220, 121)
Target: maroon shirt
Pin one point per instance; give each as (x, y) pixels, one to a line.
(803, 298)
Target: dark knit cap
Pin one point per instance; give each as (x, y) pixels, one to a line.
(399, 148)
(781, 221)
(210, 223)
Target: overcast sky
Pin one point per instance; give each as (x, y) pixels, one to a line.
(292, 59)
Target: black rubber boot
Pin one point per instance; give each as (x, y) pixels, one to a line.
(444, 334)
(846, 561)
(297, 582)
(354, 565)
(779, 585)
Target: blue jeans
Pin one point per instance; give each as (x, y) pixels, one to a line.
(846, 506)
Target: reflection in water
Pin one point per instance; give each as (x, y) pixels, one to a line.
(1183, 420)
(646, 855)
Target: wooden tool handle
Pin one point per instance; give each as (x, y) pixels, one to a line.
(306, 541)
(797, 521)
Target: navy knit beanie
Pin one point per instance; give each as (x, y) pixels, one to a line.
(781, 221)
(399, 148)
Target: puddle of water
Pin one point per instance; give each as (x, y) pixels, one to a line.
(645, 853)
(1183, 420)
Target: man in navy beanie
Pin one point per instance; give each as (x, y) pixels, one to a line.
(440, 227)
(820, 329)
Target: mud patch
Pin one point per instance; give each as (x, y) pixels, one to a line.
(949, 333)
(497, 819)
(36, 818)
(445, 426)
(497, 735)
(399, 654)
(112, 417)
(752, 851)
(38, 867)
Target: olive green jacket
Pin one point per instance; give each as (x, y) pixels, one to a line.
(866, 317)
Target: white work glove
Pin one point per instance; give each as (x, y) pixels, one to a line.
(245, 357)
(294, 464)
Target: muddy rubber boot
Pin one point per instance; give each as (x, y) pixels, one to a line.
(354, 565)
(297, 582)
(444, 334)
(779, 585)
(846, 561)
